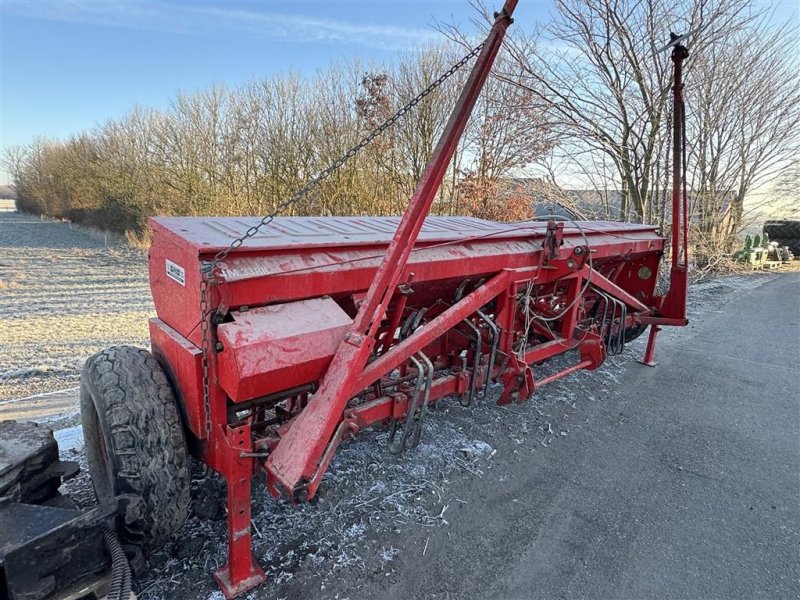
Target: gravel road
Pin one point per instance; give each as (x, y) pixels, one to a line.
(628, 482)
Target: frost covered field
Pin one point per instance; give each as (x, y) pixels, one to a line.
(66, 293)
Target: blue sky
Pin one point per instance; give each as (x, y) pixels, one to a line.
(68, 65)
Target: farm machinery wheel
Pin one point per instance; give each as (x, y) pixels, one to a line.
(633, 332)
(783, 229)
(135, 443)
(792, 243)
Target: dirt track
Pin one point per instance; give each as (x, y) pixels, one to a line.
(485, 499)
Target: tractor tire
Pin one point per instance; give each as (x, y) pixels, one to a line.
(135, 443)
(782, 229)
(792, 244)
(631, 333)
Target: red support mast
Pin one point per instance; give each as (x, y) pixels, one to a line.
(296, 466)
(672, 306)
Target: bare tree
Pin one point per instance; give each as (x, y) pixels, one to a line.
(786, 194)
(743, 133)
(417, 134)
(597, 69)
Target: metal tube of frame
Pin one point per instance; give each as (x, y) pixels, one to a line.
(677, 155)
(296, 459)
(430, 331)
(388, 274)
(674, 303)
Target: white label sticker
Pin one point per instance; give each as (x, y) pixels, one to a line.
(176, 272)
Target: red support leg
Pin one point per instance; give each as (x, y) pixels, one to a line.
(651, 347)
(242, 572)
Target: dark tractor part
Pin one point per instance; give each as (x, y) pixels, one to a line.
(633, 332)
(48, 548)
(53, 552)
(785, 255)
(782, 229)
(30, 470)
(135, 444)
(793, 244)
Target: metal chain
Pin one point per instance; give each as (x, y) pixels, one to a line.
(311, 185)
(208, 271)
(204, 326)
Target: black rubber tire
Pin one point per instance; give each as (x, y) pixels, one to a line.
(631, 333)
(793, 244)
(135, 442)
(782, 229)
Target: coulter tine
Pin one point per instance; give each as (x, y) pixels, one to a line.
(495, 339)
(426, 396)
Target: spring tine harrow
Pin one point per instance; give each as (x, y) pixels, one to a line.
(494, 339)
(476, 361)
(426, 396)
(398, 446)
